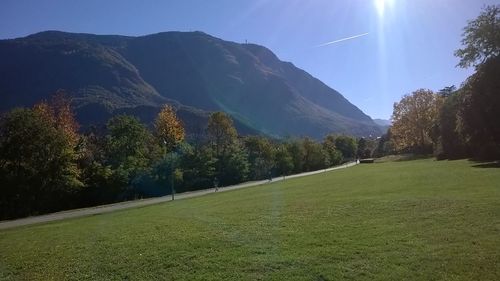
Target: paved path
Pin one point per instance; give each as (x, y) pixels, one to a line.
(145, 202)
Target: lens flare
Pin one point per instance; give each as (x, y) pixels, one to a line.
(381, 6)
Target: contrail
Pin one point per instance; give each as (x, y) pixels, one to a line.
(343, 39)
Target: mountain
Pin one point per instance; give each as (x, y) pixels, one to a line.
(198, 73)
(383, 124)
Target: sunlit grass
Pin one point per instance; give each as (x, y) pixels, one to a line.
(416, 220)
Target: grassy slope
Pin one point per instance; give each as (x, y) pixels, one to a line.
(418, 220)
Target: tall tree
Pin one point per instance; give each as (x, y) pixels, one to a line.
(334, 155)
(479, 99)
(447, 91)
(479, 110)
(221, 132)
(384, 145)
(315, 156)
(296, 150)
(169, 128)
(451, 143)
(38, 167)
(260, 156)
(60, 113)
(228, 150)
(481, 38)
(283, 160)
(347, 146)
(413, 120)
(198, 165)
(131, 149)
(365, 148)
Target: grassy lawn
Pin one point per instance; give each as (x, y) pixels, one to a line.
(414, 220)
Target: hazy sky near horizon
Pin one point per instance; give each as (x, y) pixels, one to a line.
(397, 46)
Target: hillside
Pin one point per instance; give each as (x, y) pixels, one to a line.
(195, 71)
(391, 221)
(384, 124)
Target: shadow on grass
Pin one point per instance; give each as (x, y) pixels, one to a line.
(495, 164)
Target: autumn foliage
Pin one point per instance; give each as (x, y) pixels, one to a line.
(169, 128)
(413, 120)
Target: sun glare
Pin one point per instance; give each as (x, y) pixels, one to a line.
(381, 6)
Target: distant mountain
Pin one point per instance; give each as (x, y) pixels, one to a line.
(383, 124)
(194, 71)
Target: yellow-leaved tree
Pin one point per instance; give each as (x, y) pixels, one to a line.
(414, 119)
(169, 128)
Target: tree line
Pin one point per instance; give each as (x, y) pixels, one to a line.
(47, 164)
(456, 123)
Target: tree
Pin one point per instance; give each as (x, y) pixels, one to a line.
(168, 175)
(260, 156)
(168, 128)
(384, 145)
(198, 165)
(297, 152)
(347, 146)
(171, 133)
(365, 148)
(447, 91)
(60, 113)
(228, 151)
(131, 150)
(236, 166)
(479, 100)
(479, 111)
(451, 143)
(413, 120)
(38, 167)
(315, 157)
(283, 160)
(221, 132)
(334, 155)
(481, 38)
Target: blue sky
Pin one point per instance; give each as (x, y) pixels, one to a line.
(406, 44)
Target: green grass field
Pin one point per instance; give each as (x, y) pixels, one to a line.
(414, 220)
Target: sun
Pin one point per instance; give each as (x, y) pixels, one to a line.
(381, 6)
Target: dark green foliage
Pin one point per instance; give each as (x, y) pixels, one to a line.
(231, 164)
(235, 168)
(119, 162)
(335, 157)
(260, 156)
(97, 174)
(168, 174)
(384, 145)
(283, 160)
(451, 143)
(315, 157)
(198, 165)
(129, 144)
(131, 151)
(481, 38)
(447, 91)
(46, 166)
(365, 148)
(479, 113)
(467, 122)
(347, 145)
(297, 152)
(38, 171)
